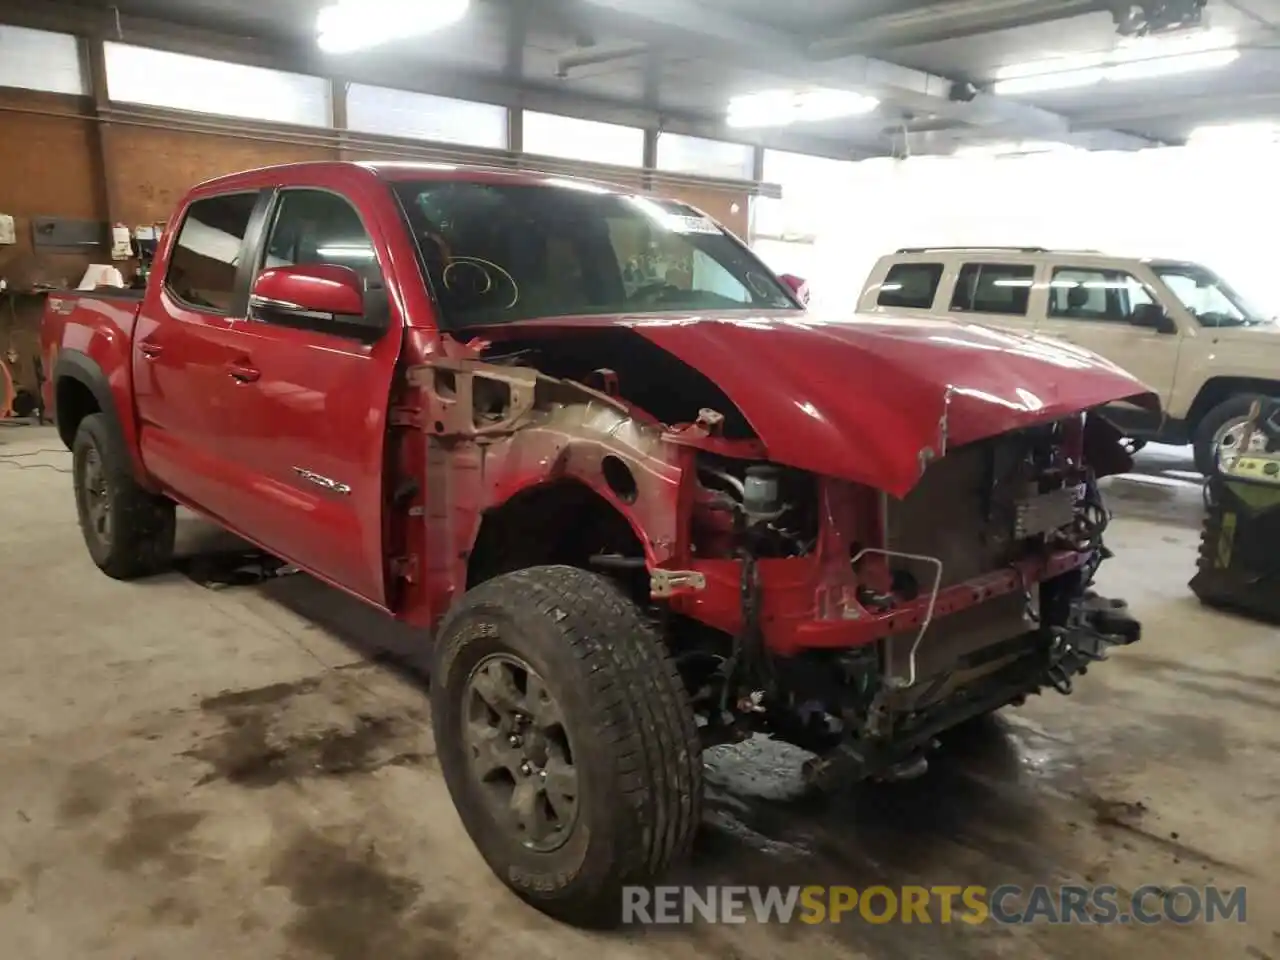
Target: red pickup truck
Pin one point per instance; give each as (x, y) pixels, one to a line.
(639, 500)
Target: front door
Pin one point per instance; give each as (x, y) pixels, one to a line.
(1094, 307)
(310, 416)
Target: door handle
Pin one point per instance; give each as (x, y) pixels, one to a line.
(243, 373)
(150, 350)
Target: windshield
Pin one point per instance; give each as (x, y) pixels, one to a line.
(1207, 296)
(497, 253)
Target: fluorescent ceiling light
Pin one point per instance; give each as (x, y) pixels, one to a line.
(350, 25)
(1060, 64)
(1138, 60)
(1067, 80)
(780, 108)
(1010, 148)
(1257, 133)
(1168, 66)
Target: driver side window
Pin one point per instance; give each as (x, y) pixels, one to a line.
(1095, 295)
(317, 227)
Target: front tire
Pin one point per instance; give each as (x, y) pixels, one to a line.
(129, 532)
(566, 740)
(1214, 424)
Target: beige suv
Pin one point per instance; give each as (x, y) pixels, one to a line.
(1177, 326)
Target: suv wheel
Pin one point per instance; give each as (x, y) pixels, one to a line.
(566, 739)
(129, 532)
(1216, 426)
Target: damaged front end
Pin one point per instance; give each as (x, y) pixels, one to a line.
(900, 618)
(819, 609)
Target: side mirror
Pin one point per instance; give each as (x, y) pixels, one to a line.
(797, 286)
(312, 291)
(1152, 316)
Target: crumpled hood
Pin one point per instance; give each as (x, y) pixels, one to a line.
(867, 397)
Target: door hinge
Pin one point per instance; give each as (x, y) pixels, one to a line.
(405, 568)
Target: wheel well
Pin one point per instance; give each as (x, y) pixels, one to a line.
(73, 401)
(1219, 389)
(564, 522)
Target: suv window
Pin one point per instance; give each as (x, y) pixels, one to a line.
(994, 288)
(206, 256)
(910, 285)
(1095, 295)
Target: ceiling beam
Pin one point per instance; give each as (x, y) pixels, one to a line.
(907, 93)
(1193, 109)
(942, 21)
(400, 73)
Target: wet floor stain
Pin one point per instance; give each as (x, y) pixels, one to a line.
(174, 911)
(89, 789)
(259, 696)
(1146, 663)
(156, 840)
(9, 888)
(1130, 817)
(262, 744)
(1003, 802)
(351, 906)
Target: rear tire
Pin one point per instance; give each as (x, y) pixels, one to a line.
(129, 531)
(614, 706)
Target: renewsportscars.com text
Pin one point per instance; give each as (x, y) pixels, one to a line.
(1008, 904)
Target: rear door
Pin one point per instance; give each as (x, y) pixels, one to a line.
(309, 414)
(183, 346)
(996, 293)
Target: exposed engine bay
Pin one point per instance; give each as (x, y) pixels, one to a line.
(815, 609)
(1001, 505)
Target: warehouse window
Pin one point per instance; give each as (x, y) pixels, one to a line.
(994, 288)
(206, 256)
(37, 60)
(176, 81)
(421, 116)
(910, 285)
(707, 158)
(586, 140)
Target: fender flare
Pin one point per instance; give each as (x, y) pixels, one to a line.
(80, 367)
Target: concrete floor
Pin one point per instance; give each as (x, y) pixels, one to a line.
(221, 773)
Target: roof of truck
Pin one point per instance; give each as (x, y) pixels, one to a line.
(397, 170)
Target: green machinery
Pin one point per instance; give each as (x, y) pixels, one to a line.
(1239, 566)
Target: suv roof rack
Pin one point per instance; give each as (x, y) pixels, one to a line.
(1009, 249)
(980, 249)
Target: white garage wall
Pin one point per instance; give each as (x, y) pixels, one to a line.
(1217, 207)
(798, 233)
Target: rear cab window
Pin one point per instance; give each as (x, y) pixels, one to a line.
(999, 288)
(205, 261)
(911, 285)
